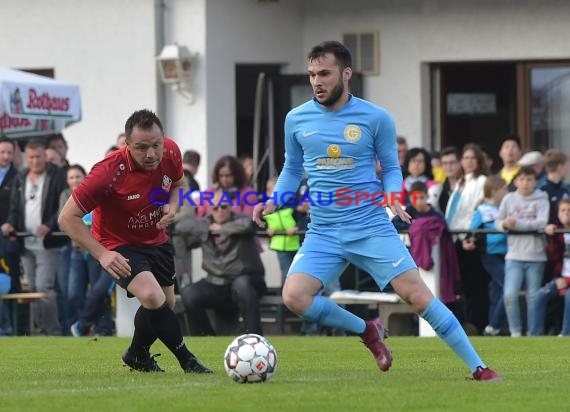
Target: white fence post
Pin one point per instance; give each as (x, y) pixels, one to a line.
(126, 309)
(432, 279)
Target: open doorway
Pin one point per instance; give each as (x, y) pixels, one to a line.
(483, 102)
(277, 94)
(246, 81)
(478, 104)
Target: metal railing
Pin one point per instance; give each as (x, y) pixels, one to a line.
(263, 233)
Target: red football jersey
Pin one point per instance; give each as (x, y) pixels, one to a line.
(117, 191)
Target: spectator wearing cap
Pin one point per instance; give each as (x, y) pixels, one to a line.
(534, 159)
(235, 280)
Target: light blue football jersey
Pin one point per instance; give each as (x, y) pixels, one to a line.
(338, 151)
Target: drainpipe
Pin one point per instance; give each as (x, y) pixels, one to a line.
(159, 17)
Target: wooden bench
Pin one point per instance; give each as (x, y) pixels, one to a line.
(388, 304)
(23, 298)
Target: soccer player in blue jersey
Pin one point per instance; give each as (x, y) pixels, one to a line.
(336, 138)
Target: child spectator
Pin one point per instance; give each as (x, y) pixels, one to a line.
(419, 206)
(559, 285)
(525, 209)
(492, 248)
(5, 282)
(428, 227)
(286, 245)
(556, 165)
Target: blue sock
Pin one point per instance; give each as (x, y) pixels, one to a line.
(450, 331)
(326, 312)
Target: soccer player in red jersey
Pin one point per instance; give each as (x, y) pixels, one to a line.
(134, 195)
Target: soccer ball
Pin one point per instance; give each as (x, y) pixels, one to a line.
(250, 358)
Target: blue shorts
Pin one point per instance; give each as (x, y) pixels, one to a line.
(328, 249)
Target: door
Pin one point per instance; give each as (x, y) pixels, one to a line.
(478, 104)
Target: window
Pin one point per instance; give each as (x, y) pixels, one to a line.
(365, 50)
(550, 107)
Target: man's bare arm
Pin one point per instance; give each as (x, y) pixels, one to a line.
(71, 222)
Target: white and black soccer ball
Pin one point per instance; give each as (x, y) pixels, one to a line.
(250, 358)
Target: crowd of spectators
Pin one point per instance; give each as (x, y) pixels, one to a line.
(484, 274)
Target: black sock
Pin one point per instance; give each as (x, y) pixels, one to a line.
(144, 335)
(167, 329)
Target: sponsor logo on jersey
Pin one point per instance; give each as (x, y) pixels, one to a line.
(333, 150)
(352, 133)
(133, 196)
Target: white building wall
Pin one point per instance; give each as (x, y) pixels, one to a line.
(108, 48)
(105, 46)
(186, 120)
(224, 33)
(243, 31)
(413, 32)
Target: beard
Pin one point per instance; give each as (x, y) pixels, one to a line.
(335, 95)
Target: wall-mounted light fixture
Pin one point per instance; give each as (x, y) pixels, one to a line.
(175, 66)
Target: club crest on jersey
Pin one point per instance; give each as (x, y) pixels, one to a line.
(166, 182)
(352, 133)
(333, 150)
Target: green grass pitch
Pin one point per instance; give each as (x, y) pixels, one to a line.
(314, 374)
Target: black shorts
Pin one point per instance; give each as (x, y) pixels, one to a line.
(159, 260)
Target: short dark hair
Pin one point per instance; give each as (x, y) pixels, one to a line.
(78, 167)
(54, 137)
(515, 138)
(143, 119)
(401, 140)
(450, 150)
(419, 186)
(526, 171)
(191, 157)
(340, 52)
(36, 144)
(8, 140)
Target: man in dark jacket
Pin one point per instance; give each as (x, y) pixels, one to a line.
(190, 163)
(7, 175)
(9, 257)
(34, 206)
(235, 273)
